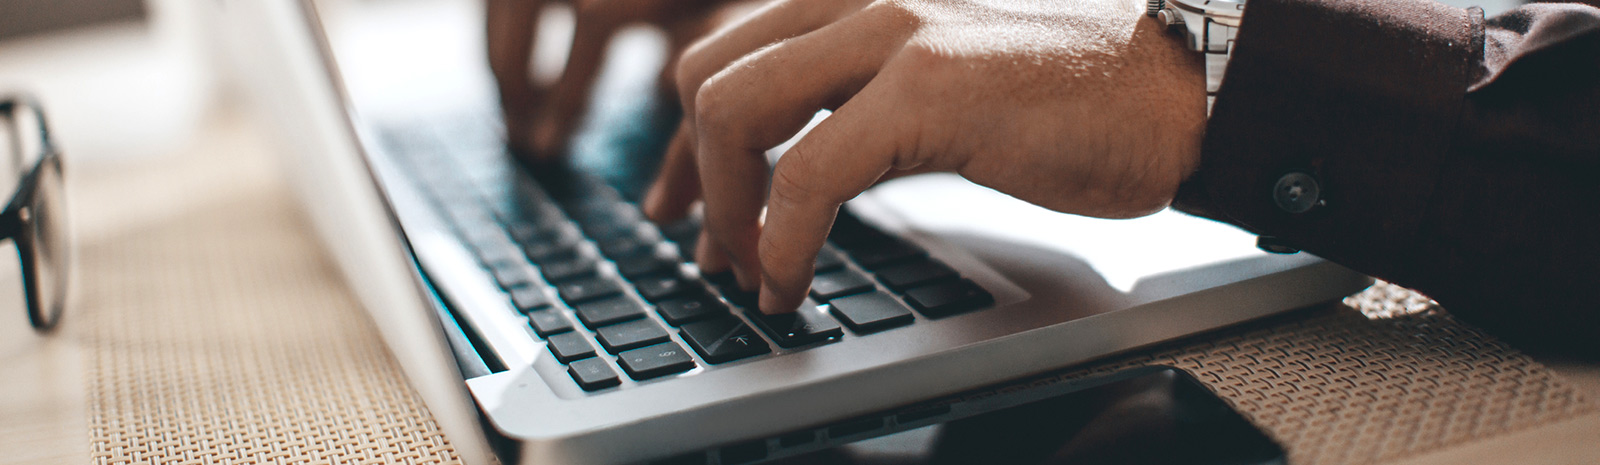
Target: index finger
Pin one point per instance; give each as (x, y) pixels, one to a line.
(840, 158)
(765, 98)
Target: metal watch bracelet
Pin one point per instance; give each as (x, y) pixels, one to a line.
(1209, 27)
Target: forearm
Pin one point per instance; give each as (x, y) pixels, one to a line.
(1454, 155)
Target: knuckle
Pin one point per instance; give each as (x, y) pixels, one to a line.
(695, 65)
(713, 99)
(894, 11)
(788, 190)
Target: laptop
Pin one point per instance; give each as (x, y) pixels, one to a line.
(533, 307)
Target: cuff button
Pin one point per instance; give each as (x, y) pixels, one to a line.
(1297, 192)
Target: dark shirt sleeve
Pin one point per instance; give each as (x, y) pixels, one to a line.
(1454, 155)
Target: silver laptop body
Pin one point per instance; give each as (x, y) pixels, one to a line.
(1065, 289)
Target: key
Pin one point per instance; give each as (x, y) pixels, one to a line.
(515, 274)
(498, 254)
(645, 265)
(906, 276)
(570, 346)
(609, 311)
(949, 298)
(661, 288)
(729, 286)
(547, 231)
(630, 335)
(827, 286)
(870, 312)
(723, 339)
(627, 246)
(608, 212)
(886, 253)
(580, 267)
(548, 322)
(608, 229)
(529, 298)
(593, 374)
(685, 232)
(587, 289)
(828, 259)
(551, 252)
(805, 325)
(654, 361)
(684, 310)
(850, 233)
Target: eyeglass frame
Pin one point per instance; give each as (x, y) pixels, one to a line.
(17, 220)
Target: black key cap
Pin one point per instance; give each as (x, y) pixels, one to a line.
(949, 298)
(684, 310)
(661, 288)
(549, 322)
(529, 298)
(887, 253)
(609, 311)
(570, 346)
(722, 280)
(906, 276)
(604, 211)
(658, 360)
(828, 259)
(729, 286)
(511, 275)
(803, 326)
(723, 339)
(630, 335)
(849, 232)
(547, 233)
(580, 267)
(685, 231)
(742, 298)
(593, 374)
(551, 252)
(627, 246)
(826, 286)
(870, 312)
(602, 232)
(646, 265)
(584, 290)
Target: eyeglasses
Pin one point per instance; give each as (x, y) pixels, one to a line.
(34, 218)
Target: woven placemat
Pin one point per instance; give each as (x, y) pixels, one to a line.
(221, 334)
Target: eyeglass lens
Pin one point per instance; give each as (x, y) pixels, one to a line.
(47, 253)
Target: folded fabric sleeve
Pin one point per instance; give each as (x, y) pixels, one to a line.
(1424, 145)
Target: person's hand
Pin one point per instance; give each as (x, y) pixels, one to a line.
(540, 120)
(1080, 106)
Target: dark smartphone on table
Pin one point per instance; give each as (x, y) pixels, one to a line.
(1148, 416)
(1155, 415)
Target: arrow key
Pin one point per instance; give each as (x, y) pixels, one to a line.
(723, 339)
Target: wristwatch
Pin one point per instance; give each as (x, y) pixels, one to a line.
(1209, 27)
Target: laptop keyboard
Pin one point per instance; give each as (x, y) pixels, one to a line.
(588, 270)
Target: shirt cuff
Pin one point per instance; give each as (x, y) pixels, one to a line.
(1323, 99)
